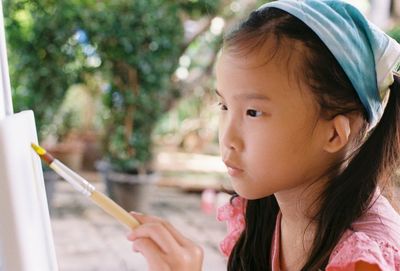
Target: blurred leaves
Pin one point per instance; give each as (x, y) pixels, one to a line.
(136, 46)
(40, 71)
(199, 8)
(395, 33)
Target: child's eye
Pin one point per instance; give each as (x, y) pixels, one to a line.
(222, 106)
(253, 113)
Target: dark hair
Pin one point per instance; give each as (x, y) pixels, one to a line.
(349, 192)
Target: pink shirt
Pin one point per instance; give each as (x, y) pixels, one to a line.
(374, 238)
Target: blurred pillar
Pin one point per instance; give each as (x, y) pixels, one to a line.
(380, 13)
(396, 8)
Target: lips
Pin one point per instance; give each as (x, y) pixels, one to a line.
(233, 170)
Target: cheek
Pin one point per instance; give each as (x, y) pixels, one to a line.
(279, 153)
(220, 133)
(276, 142)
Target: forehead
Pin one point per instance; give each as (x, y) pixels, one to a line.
(279, 77)
(255, 70)
(281, 59)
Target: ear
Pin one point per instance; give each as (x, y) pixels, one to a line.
(338, 134)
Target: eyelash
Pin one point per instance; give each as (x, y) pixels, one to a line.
(249, 112)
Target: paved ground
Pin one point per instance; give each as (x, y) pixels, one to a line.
(87, 239)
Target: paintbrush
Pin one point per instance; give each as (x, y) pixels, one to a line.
(87, 189)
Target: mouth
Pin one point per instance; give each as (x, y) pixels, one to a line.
(233, 170)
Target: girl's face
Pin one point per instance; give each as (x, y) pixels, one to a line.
(270, 134)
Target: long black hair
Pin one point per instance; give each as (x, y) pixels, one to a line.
(349, 191)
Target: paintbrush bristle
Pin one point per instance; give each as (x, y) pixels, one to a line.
(39, 150)
(44, 155)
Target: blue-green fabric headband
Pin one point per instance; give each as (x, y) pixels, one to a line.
(367, 55)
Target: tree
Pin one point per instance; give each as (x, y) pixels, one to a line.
(44, 60)
(135, 44)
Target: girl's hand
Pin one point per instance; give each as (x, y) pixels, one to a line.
(163, 246)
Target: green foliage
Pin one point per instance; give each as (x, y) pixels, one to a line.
(262, 2)
(395, 33)
(134, 44)
(40, 67)
(198, 8)
(138, 43)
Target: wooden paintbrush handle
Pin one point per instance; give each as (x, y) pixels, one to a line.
(114, 209)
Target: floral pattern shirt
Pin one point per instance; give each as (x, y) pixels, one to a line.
(374, 238)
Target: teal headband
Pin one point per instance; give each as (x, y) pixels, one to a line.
(367, 55)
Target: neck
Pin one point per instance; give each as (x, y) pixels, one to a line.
(297, 226)
(296, 204)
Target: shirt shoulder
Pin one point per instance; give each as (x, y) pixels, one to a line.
(380, 222)
(358, 246)
(374, 238)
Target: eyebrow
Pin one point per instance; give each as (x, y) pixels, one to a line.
(247, 96)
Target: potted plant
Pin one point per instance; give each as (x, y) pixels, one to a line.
(139, 46)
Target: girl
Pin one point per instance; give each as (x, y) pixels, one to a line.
(310, 135)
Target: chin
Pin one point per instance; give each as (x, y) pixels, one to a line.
(251, 192)
(251, 195)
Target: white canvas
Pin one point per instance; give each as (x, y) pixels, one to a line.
(26, 241)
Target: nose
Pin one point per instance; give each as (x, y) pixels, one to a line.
(230, 134)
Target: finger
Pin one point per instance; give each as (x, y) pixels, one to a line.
(152, 253)
(182, 240)
(158, 234)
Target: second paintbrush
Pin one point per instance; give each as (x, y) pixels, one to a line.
(83, 186)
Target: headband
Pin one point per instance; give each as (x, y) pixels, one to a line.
(367, 55)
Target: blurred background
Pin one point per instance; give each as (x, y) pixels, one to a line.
(123, 93)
